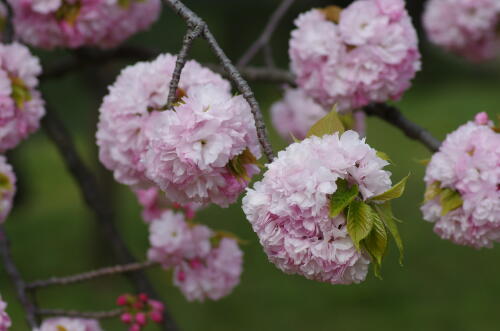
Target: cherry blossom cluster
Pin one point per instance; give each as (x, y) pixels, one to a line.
(206, 264)
(139, 309)
(5, 322)
(70, 324)
(464, 27)
(76, 23)
(21, 105)
(463, 185)
(364, 53)
(291, 208)
(204, 149)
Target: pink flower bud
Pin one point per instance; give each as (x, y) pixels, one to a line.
(482, 118)
(127, 318)
(135, 327)
(195, 263)
(156, 316)
(138, 305)
(181, 276)
(122, 300)
(141, 318)
(143, 297)
(156, 305)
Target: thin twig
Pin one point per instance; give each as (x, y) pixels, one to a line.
(17, 280)
(393, 116)
(108, 271)
(80, 314)
(268, 56)
(266, 35)
(97, 202)
(187, 42)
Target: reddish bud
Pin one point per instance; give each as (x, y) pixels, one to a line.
(181, 276)
(143, 297)
(141, 318)
(127, 318)
(156, 316)
(135, 327)
(157, 305)
(195, 263)
(122, 300)
(138, 305)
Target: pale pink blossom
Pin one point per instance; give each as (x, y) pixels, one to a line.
(295, 114)
(70, 324)
(289, 208)
(5, 322)
(369, 55)
(467, 163)
(66, 23)
(21, 105)
(7, 188)
(465, 27)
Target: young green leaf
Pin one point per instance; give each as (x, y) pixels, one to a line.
(295, 139)
(450, 200)
(384, 156)
(329, 124)
(359, 221)
(432, 191)
(385, 212)
(347, 121)
(376, 242)
(342, 197)
(394, 192)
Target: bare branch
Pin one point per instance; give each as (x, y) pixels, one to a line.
(266, 35)
(16, 278)
(108, 271)
(393, 116)
(80, 314)
(268, 56)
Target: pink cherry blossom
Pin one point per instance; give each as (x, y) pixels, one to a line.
(7, 188)
(464, 27)
(21, 105)
(66, 323)
(468, 163)
(369, 55)
(66, 23)
(5, 322)
(289, 208)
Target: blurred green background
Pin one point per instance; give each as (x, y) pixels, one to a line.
(441, 286)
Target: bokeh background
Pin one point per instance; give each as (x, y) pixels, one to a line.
(441, 287)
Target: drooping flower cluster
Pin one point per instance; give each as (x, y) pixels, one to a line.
(365, 53)
(464, 27)
(203, 150)
(66, 323)
(21, 105)
(206, 264)
(463, 186)
(295, 114)
(5, 322)
(139, 309)
(7, 188)
(76, 23)
(289, 209)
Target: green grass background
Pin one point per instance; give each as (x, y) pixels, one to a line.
(441, 286)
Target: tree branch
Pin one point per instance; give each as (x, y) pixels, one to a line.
(266, 35)
(80, 314)
(393, 116)
(17, 280)
(97, 202)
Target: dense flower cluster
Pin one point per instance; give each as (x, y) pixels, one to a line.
(466, 173)
(70, 23)
(139, 310)
(295, 114)
(203, 150)
(70, 324)
(289, 208)
(467, 28)
(365, 53)
(206, 264)
(7, 188)
(21, 105)
(5, 322)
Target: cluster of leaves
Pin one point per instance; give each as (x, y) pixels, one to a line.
(237, 164)
(449, 199)
(370, 221)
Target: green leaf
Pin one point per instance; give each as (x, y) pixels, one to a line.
(424, 162)
(376, 242)
(5, 183)
(342, 197)
(347, 120)
(295, 139)
(384, 156)
(359, 221)
(384, 211)
(329, 124)
(394, 192)
(432, 191)
(450, 200)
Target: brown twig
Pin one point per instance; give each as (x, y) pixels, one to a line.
(393, 116)
(108, 271)
(266, 35)
(17, 280)
(80, 314)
